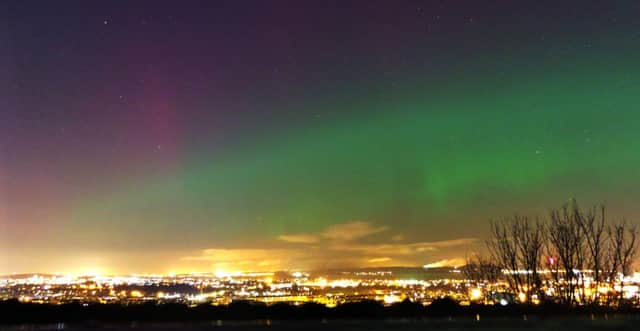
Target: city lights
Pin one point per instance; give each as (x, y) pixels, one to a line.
(222, 288)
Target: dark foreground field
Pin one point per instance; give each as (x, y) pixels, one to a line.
(367, 315)
(626, 322)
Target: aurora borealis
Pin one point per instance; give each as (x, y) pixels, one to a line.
(289, 135)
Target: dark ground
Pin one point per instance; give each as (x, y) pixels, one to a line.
(550, 324)
(442, 314)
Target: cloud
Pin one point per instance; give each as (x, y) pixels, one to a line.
(334, 255)
(271, 259)
(452, 242)
(299, 238)
(245, 259)
(351, 231)
(379, 259)
(230, 255)
(396, 249)
(336, 246)
(455, 262)
(397, 237)
(337, 232)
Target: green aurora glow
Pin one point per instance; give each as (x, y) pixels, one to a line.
(424, 135)
(424, 159)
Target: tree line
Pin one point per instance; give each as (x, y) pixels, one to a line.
(574, 256)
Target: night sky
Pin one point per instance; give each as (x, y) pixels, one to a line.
(137, 136)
